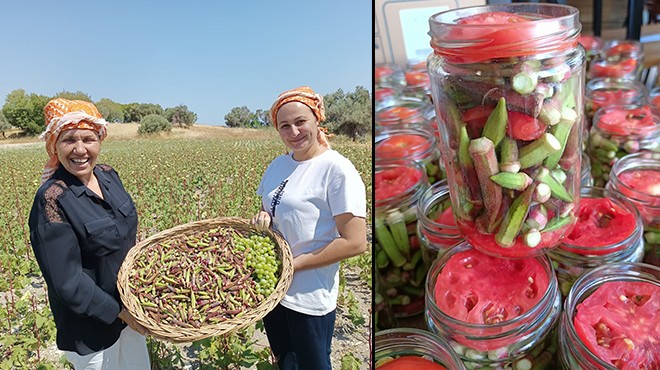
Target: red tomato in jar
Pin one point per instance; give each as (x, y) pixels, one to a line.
(402, 146)
(600, 223)
(415, 78)
(410, 363)
(396, 114)
(383, 93)
(643, 185)
(524, 127)
(613, 97)
(382, 72)
(590, 43)
(480, 289)
(475, 119)
(493, 42)
(394, 181)
(636, 121)
(616, 70)
(620, 324)
(655, 101)
(622, 48)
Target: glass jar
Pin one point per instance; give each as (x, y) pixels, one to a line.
(389, 75)
(418, 85)
(509, 97)
(400, 145)
(654, 98)
(617, 50)
(573, 353)
(618, 130)
(522, 336)
(603, 92)
(637, 176)
(404, 112)
(398, 188)
(575, 256)
(405, 342)
(436, 227)
(586, 179)
(592, 45)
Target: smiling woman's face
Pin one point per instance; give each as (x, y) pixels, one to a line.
(78, 151)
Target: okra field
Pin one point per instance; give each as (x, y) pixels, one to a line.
(186, 175)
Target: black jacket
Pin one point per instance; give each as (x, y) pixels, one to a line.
(80, 241)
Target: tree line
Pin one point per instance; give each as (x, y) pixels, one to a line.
(346, 113)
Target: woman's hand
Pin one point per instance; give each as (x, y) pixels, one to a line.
(261, 220)
(126, 317)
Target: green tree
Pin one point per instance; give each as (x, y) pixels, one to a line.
(4, 125)
(134, 112)
(25, 112)
(78, 95)
(263, 117)
(110, 110)
(349, 114)
(154, 123)
(239, 117)
(180, 116)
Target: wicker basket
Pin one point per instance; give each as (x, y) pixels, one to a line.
(178, 334)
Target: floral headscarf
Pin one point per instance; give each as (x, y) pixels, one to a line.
(61, 115)
(307, 96)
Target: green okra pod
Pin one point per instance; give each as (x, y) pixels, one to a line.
(557, 223)
(482, 152)
(538, 150)
(495, 128)
(560, 131)
(386, 241)
(516, 181)
(397, 224)
(463, 154)
(509, 155)
(514, 218)
(556, 188)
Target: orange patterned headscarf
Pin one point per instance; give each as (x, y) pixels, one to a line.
(61, 115)
(307, 96)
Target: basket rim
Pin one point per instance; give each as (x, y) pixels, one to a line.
(178, 334)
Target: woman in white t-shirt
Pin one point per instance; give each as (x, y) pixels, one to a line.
(315, 197)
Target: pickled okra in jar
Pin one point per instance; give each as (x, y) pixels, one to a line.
(508, 82)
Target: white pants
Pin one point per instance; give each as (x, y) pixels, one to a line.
(128, 353)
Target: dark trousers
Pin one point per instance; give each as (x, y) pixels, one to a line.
(299, 341)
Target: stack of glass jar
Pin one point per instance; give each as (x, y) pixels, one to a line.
(508, 87)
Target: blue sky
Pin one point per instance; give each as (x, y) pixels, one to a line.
(209, 55)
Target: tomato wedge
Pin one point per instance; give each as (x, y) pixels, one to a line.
(402, 146)
(382, 72)
(601, 222)
(410, 363)
(524, 127)
(635, 121)
(394, 181)
(398, 114)
(619, 323)
(646, 182)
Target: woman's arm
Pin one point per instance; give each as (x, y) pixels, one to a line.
(352, 241)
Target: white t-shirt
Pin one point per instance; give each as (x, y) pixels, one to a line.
(302, 199)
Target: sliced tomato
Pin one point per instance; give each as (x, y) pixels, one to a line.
(635, 121)
(402, 146)
(590, 43)
(480, 289)
(600, 223)
(394, 181)
(524, 127)
(622, 48)
(492, 34)
(603, 68)
(475, 119)
(644, 181)
(410, 363)
(619, 323)
(382, 93)
(397, 114)
(487, 244)
(382, 72)
(417, 78)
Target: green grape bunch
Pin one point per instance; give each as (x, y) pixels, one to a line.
(260, 255)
